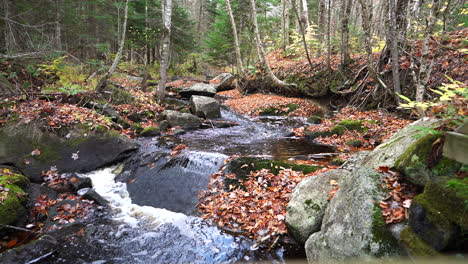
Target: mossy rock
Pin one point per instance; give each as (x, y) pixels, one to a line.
(414, 244)
(338, 130)
(439, 216)
(244, 165)
(150, 132)
(353, 125)
(13, 197)
(316, 134)
(315, 120)
(354, 143)
(413, 162)
(137, 128)
(117, 95)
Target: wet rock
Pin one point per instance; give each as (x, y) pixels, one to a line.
(224, 82)
(184, 120)
(35, 191)
(198, 89)
(218, 124)
(389, 152)
(82, 151)
(150, 132)
(352, 225)
(308, 202)
(91, 194)
(78, 182)
(42, 249)
(205, 107)
(164, 125)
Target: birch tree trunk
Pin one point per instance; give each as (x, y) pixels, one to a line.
(394, 36)
(240, 66)
(103, 81)
(305, 15)
(261, 52)
(166, 41)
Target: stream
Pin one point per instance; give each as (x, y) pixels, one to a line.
(153, 197)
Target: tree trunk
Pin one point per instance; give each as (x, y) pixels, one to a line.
(240, 66)
(9, 35)
(305, 15)
(103, 81)
(285, 7)
(58, 27)
(304, 42)
(261, 52)
(346, 12)
(366, 13)
(166, 41)
(329, 35)
(393, 36)
(321, 26)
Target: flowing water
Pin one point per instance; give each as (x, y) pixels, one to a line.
(153, 196)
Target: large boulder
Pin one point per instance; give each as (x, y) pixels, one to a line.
(205, 107)
(353, 225)
(389, 152)
(12, 186)
(184, 120)
(439, 216)
(308, 203)
(198, 89)
(413, 162)
(33, 150)
(224, 82)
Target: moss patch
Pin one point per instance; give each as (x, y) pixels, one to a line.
(416, 246)
(446, 202)
(244, 165)
(352, 125)
(381, 234)
(12, 197)
(338, 130)
(314, 119)
(150, 132)
(355, 143)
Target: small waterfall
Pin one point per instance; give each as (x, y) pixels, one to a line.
(153, 235)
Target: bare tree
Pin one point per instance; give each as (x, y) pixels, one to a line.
(240, 66)
(166, 41)
(304, 42)
(103, 81)
(261, 52)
